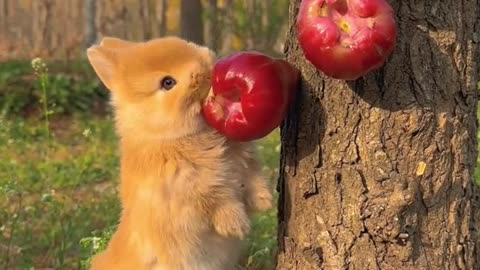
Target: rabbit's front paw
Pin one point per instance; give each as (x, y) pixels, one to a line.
(231, 220)
(261, 200)
(258, 195)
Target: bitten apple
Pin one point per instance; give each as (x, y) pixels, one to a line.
(346, 39)
(250, 95)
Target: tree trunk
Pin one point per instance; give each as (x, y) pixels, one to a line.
(378, 173)
(148, 16)
(191, 23)
(211, 25)
(265, 23)
(162, 17)
(227, 27)
(251, 27)
(90, 26)
(3, 15)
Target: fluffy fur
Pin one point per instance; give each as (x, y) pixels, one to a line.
(187, 192)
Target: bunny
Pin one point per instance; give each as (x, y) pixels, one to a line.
(187, 192)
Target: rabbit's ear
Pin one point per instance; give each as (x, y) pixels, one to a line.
(115, 43)
(103, 62)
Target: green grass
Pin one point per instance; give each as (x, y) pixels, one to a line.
(70, 89)
(55, 192)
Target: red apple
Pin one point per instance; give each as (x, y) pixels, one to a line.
(250, 95)
(346, 39)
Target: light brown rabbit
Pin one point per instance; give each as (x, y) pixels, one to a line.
(187, 192)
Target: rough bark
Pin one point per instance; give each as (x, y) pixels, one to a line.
(191, 23)
(378, 173)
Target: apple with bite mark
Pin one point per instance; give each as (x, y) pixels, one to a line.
(346, 39)
(250, 95)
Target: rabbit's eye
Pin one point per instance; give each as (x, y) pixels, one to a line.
(168, 83)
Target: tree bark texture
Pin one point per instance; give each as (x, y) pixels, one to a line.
(191, 23)
(378, 173)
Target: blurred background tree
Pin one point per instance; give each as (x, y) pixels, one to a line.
(191, 22)
(52, 28)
